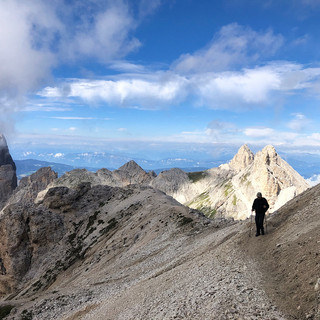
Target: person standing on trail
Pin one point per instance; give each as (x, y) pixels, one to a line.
(260, 206)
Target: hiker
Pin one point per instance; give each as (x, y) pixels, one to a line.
(260, 206)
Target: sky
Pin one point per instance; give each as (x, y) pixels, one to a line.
(141, 75)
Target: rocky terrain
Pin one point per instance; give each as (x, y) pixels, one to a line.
(106, 252)
(79, 247)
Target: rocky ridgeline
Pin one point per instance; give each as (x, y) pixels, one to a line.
(8, 178)
(226, 191)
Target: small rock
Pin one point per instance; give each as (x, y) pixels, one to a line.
(317, 286)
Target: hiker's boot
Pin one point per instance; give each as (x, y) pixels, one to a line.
(257, 234)
(262, 231)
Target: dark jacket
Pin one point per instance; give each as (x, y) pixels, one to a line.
(260, 205)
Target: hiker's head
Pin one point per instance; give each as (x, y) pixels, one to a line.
(259, 195)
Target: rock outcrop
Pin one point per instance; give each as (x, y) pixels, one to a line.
(8, 177)
(130, 173)
(242, 159)
(39, 241)
(30, 186)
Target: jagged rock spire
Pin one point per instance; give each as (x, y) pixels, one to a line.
(242, 159)
(8, 177)
(5, 157)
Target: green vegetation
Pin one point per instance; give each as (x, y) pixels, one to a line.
(244, 178)
(234, 201)
(5, 310)
(203, 204)
(197, 176)
(228, 188)
(211, 213)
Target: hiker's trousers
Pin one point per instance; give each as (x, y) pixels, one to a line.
(259, 221)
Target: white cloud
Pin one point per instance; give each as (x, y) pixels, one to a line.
(259, 132)
(255, 87)
(230, 90)
(24, 62)
(314, 180)
(148, 93)
(59, 155)
(43, 108)
(299, 122)
(105, 36)
(36, 36)
(72, 128)
(77, 118)
(234, 45)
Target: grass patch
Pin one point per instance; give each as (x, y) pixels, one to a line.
(5, 310)
(244, 178)
(228, 188)
(211, 214)
(196, 176)
(234, 201)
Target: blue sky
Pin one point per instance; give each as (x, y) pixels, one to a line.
(92, 75)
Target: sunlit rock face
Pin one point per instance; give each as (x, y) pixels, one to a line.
(8, 178)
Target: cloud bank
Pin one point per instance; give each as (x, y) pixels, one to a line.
(234, 90)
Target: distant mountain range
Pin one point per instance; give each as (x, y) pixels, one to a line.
(29, 166)
(307, 164)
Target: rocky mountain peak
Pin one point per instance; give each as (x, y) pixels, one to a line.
(5, 157)
(8, 177)
(131, 166)
(132, 173)
(267, 155)
(242, 159)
